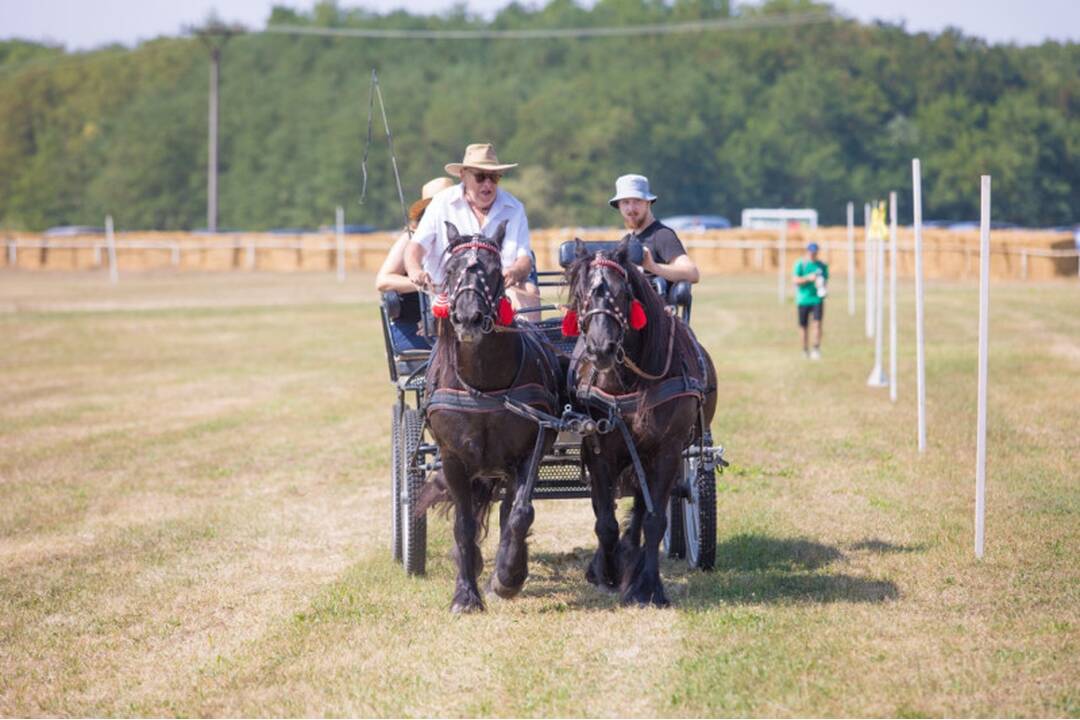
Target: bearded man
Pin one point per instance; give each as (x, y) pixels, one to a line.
(664, 254)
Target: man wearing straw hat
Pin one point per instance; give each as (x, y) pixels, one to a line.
(664, 254)
(475, 205)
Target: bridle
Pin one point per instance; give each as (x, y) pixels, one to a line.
(496, 306)
(634, 318)
(609, 306)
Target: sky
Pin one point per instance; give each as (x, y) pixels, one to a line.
(86, 24)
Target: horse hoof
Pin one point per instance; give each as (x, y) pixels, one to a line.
(462, 608)
(506, 592)
(467, 601)
(605, 586)
(646, 597)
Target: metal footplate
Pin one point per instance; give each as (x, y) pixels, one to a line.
(712, 457)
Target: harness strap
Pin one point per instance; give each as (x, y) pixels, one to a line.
(630, 403)
(530, 395)
(638, 469)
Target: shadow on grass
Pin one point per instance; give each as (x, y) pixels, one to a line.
(760, 552)
(881, 547)
(749, 569)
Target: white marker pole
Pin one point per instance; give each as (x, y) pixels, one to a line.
(878, 378)
(781, 263)
(110, 241)
(340, 244)
(920, 349)
(851, 258)
(984, 329)
(892, 296)
(868, 271)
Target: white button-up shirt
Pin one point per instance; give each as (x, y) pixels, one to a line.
(450, 205)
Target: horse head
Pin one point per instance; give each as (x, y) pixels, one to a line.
(610, 297)
(475, 299)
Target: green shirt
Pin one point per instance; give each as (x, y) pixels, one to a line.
(807, 292)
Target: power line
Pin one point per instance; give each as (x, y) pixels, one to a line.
(751, 23)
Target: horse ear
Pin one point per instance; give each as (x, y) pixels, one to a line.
(622, 251)
(580, 250)
(453, 237)
(500, 235)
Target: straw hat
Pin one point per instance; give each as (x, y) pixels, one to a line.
(479, 156)
(431, 189)
(631, 186)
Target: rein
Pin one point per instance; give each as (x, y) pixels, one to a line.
(629, 363)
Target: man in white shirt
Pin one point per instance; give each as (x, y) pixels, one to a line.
(476, 205)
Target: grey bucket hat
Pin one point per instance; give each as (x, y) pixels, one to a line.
(631, 186)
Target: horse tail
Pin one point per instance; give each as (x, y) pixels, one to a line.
(435, 492)
(435, 495)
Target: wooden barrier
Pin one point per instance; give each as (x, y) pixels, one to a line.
(953, 255)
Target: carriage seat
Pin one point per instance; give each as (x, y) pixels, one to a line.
(402, 362)
(568, 250)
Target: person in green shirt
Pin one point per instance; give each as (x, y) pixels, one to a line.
(811, 276)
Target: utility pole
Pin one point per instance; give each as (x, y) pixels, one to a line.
(214, 34)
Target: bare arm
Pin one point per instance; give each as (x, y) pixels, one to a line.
(518, 272)
(391, 275)
(414, 258)
(681, 268)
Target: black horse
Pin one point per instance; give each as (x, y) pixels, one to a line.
(487, 370)
(640, 371)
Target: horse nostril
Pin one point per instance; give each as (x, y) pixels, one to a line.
(609, 348)
(477, 317)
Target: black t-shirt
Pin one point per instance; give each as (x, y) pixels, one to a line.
(662, 241)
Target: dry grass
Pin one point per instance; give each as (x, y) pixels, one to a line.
(194, 496)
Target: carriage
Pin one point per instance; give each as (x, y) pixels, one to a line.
(691, 511)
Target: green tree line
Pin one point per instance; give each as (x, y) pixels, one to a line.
(804, 115)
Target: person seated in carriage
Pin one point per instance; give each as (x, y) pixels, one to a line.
(663, 254)
(474, 206)
(404, 329)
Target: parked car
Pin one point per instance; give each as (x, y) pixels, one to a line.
(72, 230)
(350, 229)
(696, 222)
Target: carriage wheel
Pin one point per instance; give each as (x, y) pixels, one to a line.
(698, 514)
(701, 512)
(395, 482)
(413, 528)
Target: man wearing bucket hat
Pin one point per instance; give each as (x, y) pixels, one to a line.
(391, 275)
(810, 276)
(664, 254)
(475, 205)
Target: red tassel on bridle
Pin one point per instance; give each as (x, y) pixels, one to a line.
(638, 319)
(441, 307)
(570, 324)
(505, 314)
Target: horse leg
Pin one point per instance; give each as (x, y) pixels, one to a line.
(630, 543)
(512, 558)
(466, 593)
(643, 584)
(603, 570)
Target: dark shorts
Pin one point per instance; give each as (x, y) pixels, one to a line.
(808, 311)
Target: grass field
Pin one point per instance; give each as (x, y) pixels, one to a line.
(194, 520)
